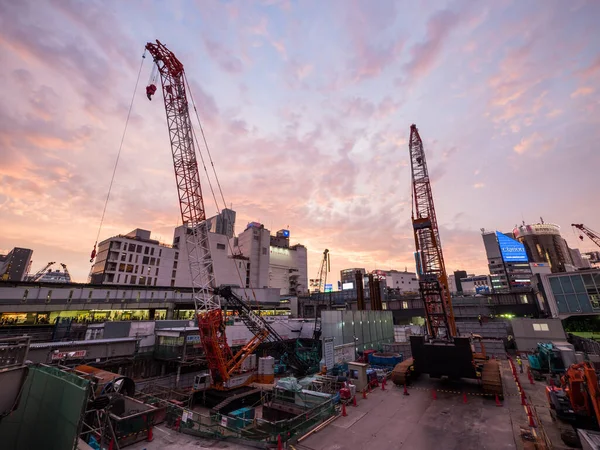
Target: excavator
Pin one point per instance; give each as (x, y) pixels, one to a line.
(576, 401)
(442, 352)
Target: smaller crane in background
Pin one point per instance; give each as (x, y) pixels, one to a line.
(321, 280)
(595, 237)
(40, 272)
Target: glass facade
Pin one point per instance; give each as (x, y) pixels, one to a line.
(578, 293)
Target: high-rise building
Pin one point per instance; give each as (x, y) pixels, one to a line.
(458, 275)
(15, 265)
(400, 281)
(543, 243)
(348, 277)
(287, 265)
(223, 223)
(507, 261)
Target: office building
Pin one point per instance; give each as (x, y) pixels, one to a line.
(401, 282)
(348, 277)
(479, 284)
(14, 266)
(458, 275)
(287, 265)
(543, 243)
(572, 293)
(223, 223)
(507, 261)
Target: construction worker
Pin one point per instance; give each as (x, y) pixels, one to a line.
(520, 363)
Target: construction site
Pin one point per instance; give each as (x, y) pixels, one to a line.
(349, 379)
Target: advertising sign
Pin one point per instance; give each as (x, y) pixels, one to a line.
(68, 355)
(328, 287)
(510, 249)
(347, 286)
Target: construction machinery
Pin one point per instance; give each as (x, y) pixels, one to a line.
(40, 273)
(595, 237)
(222, 363)
(320, 282)
(224, 366)
(550, 358)
(442, 353)
(576, 401)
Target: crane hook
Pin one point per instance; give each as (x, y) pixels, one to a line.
(150, 91)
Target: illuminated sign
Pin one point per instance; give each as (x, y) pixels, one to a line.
(328, 287)
(511, 250)
(286, 233)
(346, 286)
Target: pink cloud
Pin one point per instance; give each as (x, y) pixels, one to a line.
(222, 56)
(425, 54)
(582, 92)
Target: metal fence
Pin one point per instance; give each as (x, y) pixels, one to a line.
(256, 432)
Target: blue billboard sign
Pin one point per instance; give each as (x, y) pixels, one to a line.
(328, 287)
(511, 250)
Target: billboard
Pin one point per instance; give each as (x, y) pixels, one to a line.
(346, 286)
(328, 287)
(511, 250)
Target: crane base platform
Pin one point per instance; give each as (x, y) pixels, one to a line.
(441, 358)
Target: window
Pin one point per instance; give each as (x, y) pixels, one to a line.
(174, 264)
(176, 255)
(133, 279)
(70, 296)
(129, 268)
(149, 283)
(107, 296)
(125, 280)
(90, 295)
(155, 281)
(142, 271)
(221, 246)
(138, 249)
(137, 258)
(172, 283)
(146, 250)
(49, 296)
(540, 327)
(264, 250)
(152, 251)
(173, 274)
(142, 280)
(152, 261)
(159, 252)
(124, 257)
(156, 273)
(146, 259)
(158, 262)
(118, 277)
(256, 238)
(404, 305)
(136, 269)
(121, 267)
(131, 247)
(130, 258)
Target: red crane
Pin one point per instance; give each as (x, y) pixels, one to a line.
(595, 237)
(221, 362)
(433, 281)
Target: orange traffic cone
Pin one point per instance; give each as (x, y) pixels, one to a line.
(498, 401)
(354, 401)
(383, 384)
(150, 435)
(111, 445)
(365, 394)
(344, 414)
(279, 443)
(433, 394)
(464, 397)
(530, 416)
(405, 390)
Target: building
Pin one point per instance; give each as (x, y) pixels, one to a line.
(288, 265)
(507, 261)
(458, 275)
(14, 266)
(543, 243)
(572, 293)
(348, 277)
(401, 282)
(134, 258)
(223, 223)
(480, 284)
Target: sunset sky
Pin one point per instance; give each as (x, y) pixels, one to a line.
(306, 106)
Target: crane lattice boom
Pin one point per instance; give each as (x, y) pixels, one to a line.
(193, 215)
(595, 237)
(433, 281)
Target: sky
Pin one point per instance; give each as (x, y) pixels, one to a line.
(306, 106)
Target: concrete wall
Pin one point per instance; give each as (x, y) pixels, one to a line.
(527, 338)
(498, 329)
(93, 351)
(367, 329)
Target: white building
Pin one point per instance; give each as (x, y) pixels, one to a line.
(253, 259)
(480, 284)
(401, 281)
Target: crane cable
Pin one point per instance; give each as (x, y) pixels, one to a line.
(216, 178)
(112, 179)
